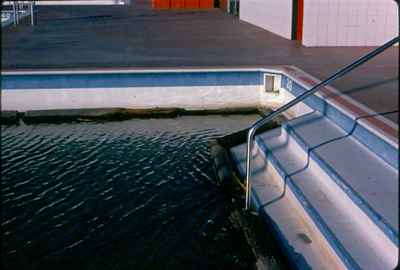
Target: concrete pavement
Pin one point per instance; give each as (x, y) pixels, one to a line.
(136, 36)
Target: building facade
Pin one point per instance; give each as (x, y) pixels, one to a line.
(326, 22)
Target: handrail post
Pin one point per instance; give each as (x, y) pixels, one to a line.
(250, 137)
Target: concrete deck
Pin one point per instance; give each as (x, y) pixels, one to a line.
(136, 36)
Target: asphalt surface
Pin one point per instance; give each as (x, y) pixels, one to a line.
(137, 36)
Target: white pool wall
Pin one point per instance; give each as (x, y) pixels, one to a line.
(194, 90)
(192, 98)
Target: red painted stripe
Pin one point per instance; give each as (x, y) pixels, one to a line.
(373, 121)
(325, 92)
(353, 108)
(389, 130)
(300, 14)
(289, 69)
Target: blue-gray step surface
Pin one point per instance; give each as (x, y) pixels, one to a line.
(349, 193)
(304, 244)
(370, 181)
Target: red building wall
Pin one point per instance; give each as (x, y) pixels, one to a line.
(160, 4)
(206, 4)
(182, 4)
(177, 3)
(191, 4)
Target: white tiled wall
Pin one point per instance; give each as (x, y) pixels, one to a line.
(349, 22)
(272, 15)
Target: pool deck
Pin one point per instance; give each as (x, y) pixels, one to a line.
(97, 37)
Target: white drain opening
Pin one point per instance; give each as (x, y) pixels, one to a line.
(272, 83)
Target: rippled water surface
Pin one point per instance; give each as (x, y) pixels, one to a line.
(137, 194)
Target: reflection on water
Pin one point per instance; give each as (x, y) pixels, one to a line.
(135, 194)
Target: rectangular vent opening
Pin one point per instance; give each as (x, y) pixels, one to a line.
(271, 83)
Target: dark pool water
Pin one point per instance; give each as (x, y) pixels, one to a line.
(137, 194)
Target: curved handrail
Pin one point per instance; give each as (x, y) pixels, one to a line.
(273, 114)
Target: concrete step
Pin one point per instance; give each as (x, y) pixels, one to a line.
(352, 166)
(303, 242)
(370, 128)
(348, 192)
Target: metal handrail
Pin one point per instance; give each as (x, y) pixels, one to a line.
(273, 114)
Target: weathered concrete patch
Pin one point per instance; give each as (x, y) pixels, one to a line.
(222, 165)
(100, 114)
(9, 117)
(118, 114)
(243, 110)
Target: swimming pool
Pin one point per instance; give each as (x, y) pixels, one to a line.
(135, 194)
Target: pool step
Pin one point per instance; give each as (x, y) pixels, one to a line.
(301, 239)
(352, 166)
(370, 128)
(348, 192)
